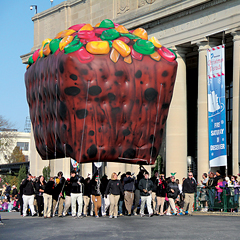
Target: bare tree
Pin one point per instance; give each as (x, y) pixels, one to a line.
(6, 136)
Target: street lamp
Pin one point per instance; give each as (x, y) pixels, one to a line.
(51, 2)
(35, 6)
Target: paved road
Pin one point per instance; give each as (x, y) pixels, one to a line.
(167, 227)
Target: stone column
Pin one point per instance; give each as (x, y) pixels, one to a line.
(176, 126)
(235, 119)
(202, 130)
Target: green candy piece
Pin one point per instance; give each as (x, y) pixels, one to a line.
(54, 45)
(173, 52)
(144, 47)
(30, 60)
(130, 36)
(110, 43)
(73, 46)
(107, 23)
(110, 34)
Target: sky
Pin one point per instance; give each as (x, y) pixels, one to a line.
(16, 39)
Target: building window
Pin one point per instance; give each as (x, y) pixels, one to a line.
(23, 145)
(26, 158)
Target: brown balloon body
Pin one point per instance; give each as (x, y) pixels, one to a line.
(101, 110)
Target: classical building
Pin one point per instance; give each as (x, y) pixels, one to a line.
(189, 27)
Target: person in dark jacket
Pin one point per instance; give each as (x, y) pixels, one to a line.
(161, 194)
(129, 188)
(14, 191)
(105, 199)
(47, 197)
(76, 193)
(67, 191)
(154, 179)
(137, 191)
(114, 188)
(96, 193)
(145, 187)
(7, 192)
(86, 196)
(20, 198)
(40, 186)
(58, 197)
(28, 195)
(172, 194)
(189, 188)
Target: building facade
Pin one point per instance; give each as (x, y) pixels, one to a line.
(189, 27)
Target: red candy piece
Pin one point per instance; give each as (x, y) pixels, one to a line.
(116, 24)
(100, 30)
(84, 56)
(165, 53)
(56, 53)
(124, 39)
(35, 55)
(95, 38)
(83, 41)
(86, 34)
(131, 31)
(77, 26)
(135, 54)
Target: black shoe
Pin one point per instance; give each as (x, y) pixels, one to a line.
(34, 215)
(129, 215)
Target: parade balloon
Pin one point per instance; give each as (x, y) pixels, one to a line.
(100, 94)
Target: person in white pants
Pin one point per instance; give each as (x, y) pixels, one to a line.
(105, 204)
(76, 193)
(145, 187)
(28, 195)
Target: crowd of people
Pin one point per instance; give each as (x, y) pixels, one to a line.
(120, 195)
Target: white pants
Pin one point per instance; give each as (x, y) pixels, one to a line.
(67, 204)
(28, 200)
(105, 205)
(79, 198)
(147, 199)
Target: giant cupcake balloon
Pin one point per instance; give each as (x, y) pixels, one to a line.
(100, 94)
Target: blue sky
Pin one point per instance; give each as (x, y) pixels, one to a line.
(16, 39)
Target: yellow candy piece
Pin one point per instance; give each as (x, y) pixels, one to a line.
(155, 42)
(121, 29)
(121, 47)
(97, 25)
(114, 55)
(47, 40)
(98, 47)
(155, 56)
(87, 27)
(128, 59)
(140, 32)
(65, 33)
(40, 53)
(65, 41)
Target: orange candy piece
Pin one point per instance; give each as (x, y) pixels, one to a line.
(155, 42)
(65, 33)
(87, 27)
(46, 50)
(140, 32)
(98, 47)
(121, 29)
(155, 56)
(121, 47)
(97, 25)
(128, 59)
(114, 55)
(65, 41)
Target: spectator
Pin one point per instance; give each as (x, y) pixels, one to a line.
(203, 192)
(14, 191)
(86, 196)
(189, 188)
(219, 189)
(145, 187)
(7, 191)
(105, 200)
(96, 193)
(211, 190)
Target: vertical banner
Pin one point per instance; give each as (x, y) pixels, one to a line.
(216, 106)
